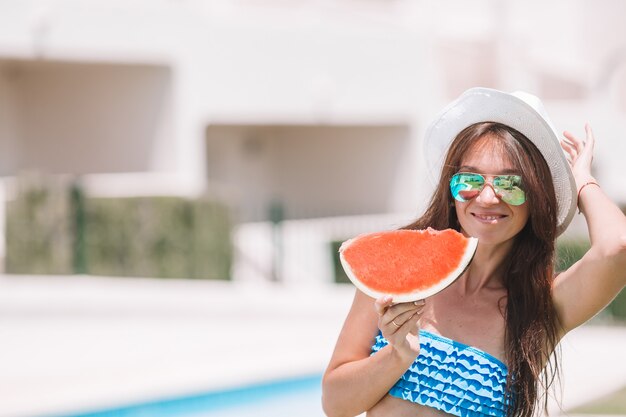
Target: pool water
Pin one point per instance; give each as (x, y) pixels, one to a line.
(300, 398)
(293, 397)
(302, 402)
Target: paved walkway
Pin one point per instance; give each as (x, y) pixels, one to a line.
(82, 343)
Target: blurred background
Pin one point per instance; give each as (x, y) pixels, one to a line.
(177, 175)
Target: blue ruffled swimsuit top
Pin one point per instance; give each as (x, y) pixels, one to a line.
(452, 377)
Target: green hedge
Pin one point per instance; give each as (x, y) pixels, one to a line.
(340, 275)
(567, 253)
(570, 251)
(38, 228)
(51, 230)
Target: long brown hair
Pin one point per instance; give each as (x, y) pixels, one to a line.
(531, 333)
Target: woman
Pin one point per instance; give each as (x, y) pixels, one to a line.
(484, 345)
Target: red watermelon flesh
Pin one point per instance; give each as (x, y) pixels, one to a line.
(409, 265)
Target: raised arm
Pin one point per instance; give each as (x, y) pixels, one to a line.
(355, 381)
(591, 283)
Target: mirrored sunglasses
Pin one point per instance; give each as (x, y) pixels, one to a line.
(466, 185)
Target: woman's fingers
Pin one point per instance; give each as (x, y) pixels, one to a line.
(407, 335)
(400, 319)
(591, 139)
(576, 142)
(382, 304)
(397, 309)
(411, 321)
(571, 151)
(580, 152)
(412, 324)
(589, 132)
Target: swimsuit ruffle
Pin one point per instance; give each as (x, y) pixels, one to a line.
(452, 377)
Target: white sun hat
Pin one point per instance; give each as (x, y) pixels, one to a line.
(519, 110)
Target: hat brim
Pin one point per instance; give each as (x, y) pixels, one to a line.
(487, 105)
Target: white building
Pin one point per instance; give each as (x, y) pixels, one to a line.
(318, 105)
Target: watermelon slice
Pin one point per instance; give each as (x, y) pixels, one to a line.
(409, 265)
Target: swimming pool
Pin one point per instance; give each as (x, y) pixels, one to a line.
(285, 398)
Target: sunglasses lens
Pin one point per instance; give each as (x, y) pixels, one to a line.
(509, 189)
(465, 186)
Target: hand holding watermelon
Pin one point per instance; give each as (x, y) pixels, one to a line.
(399, 324)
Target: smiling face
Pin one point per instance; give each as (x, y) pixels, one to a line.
(486, 216)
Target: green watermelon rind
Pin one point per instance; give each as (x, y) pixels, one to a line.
(466, 259)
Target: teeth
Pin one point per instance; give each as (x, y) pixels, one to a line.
(489, 217)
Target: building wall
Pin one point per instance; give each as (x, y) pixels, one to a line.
(88, 118)
(264, 101)
(241, 63)
(312, 171)
(285, 63)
